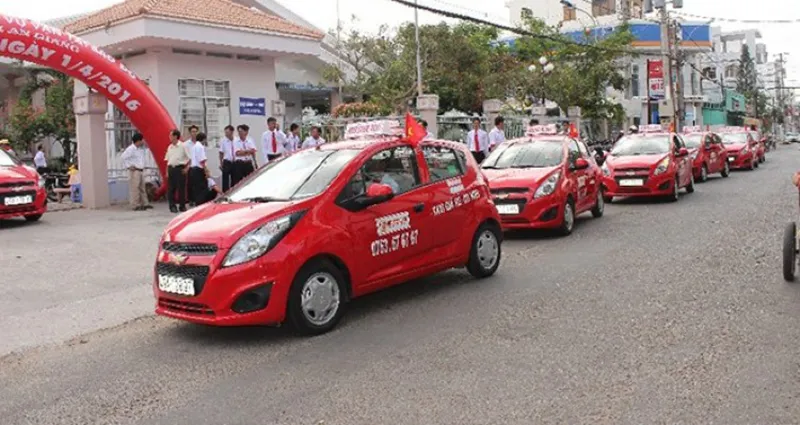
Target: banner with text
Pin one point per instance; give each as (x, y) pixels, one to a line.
(655, 79)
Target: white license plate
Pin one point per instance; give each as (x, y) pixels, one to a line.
(176, 285)
(18, 200)
(631, 182)
(508, 209)
(731, 158)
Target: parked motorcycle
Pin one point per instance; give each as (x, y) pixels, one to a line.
(53, 181)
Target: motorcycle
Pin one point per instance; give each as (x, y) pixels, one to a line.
(53, 181)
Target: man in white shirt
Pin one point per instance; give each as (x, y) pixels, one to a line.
(478, 141)
(273, 142)
(226, 157)
(133, 161)
(197, 167)
(498, 134)
(293, 138)
(314, 139)
(188, 144)
(244, 151)
(40, 161)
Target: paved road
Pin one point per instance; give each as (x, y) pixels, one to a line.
(656, 313)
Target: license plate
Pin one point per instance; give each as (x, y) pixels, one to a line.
(731, 158)
(18, 200)
(631, 182)
(176, 285)
(508, 209)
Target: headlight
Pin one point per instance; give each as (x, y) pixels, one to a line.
(606, 171)
(549, 186)
(259, 241)
(40, 180)
(662, 166)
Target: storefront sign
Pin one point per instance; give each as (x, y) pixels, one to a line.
(655, 79)
(252, 106)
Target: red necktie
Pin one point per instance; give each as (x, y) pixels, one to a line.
(274, 144)
(477, 143)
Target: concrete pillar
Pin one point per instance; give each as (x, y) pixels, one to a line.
(491, 109)
(336, 99)
(428, 106)
(90, 116)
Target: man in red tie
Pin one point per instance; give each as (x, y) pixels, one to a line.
(478, 141)
(273, 141)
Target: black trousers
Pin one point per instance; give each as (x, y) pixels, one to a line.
(227, 175)
(42, 170)
(176, 186)
(241, 169)
(208, 196)
(197, 184)
(479, 156)
(271, 157)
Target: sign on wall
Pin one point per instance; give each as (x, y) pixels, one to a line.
(655, 79)
(252, 106)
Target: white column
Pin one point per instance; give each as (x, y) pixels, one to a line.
(428, 106)
(90, 116)
(491, 109)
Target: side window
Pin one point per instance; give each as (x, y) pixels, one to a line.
(584, 150)
(357, 186)
(677, 144)
(573, 151)
(396, 167)
(442, 162)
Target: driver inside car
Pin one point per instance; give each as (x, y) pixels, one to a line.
(379, 175)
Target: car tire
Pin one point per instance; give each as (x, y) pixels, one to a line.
(486, 251)
(675, 195)
(790, 252)
(763, 159)
(726, 169)
(703, 174)
(599, 205)
(690, 186)
(567, 218)
(322, 281)
(608, 199)
(33, 218)
(753, 165)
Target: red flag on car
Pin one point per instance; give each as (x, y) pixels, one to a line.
(573, 131)
(415, 133)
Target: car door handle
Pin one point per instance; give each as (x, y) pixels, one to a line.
(419, 208)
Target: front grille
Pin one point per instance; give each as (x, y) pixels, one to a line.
(633, 170)
(189, 248)
(509, 190)
(17, 184)
(198, 274)
(184, 307)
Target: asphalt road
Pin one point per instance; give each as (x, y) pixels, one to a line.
(656, 313)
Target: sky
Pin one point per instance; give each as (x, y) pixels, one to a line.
(371, 14)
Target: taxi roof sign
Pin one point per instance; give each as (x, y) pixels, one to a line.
(542, 130)
(652, 128)
(692, 129)
(361, 130)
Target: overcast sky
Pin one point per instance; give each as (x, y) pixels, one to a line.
(372, 13)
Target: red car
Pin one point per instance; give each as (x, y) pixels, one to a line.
(654, 163)
(544, 182)
(742, 149)
(22, 192)
(304, 235)
(708, 153)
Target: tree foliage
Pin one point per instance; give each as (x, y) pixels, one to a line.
(746, 77)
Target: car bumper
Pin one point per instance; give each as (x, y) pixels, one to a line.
(544, 213)
(740, 161)
(38, 207)
(222, 292)
(659, 185)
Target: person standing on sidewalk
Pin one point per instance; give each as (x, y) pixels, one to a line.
(293, 138)
(177, 168)
(188, 144)
(133, 161)
(40, 161)
(314, 139)
(245, 152)
(478, 141)
(226, 157)
(197, 169)
(498, 134)
(273, 141)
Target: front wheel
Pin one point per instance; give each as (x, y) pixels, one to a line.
(703, 173)
(753, 164)
(789, 252)
(33, 218)
(726, 169)
(568, 219)
(599, 205)
(690, 186)
(675, 195)
(484, 255)
(317, 298)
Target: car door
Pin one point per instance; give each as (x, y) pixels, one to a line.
(684, 163)
(449, 191)
(717, 153)
(578, 177)
(587, 181)
(391, 237)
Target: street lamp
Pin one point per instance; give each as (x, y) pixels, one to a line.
(546, 67)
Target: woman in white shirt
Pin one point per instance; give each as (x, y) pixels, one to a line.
(314, 139)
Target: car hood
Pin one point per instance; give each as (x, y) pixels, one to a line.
(735, 146)
(222, 223)
(516, 177)
(634, 161)
(17, 172)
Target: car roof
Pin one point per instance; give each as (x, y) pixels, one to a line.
(378, 143)
(547, 138)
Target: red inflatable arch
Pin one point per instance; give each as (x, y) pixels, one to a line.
(47, 46)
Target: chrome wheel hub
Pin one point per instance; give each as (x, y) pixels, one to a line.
(320, 298)
(488, 249)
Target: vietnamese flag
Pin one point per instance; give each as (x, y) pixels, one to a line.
(415, 133)
(573, 131)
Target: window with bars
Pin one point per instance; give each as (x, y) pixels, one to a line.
(604, 7)
(206, 104)
(569, 13)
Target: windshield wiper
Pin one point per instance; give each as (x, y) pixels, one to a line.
(262, 199)
(489, 167)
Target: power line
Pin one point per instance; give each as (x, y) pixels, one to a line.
(741, 21)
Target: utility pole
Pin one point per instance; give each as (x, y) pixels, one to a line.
(339, 42)
(677, 72)
(781, 97)
(666, 59)
(419, 59)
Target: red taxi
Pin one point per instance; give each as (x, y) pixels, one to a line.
(304, 235)
(708, 154)
(543, 181)
(22, 192)
(652, 163)
(742, 148)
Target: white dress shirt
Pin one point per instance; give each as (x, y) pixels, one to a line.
(281, 145)
(483, 141)
(293, 142)
(188, 144)
(133, 157)
(311, 142)
(241, 145)
(496, 137)
(39, 160)
(198, 155)
(226, 148)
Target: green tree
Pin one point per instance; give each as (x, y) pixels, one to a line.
(746, 79)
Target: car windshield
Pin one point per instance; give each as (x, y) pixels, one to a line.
(6, 160)
(537, 154)
(735, 138)
(302, 175)
(693, 141)
(641, 145)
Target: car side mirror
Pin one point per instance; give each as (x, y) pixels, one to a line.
(580, 164)
(708, 146)
(683, 152)
(377, 193)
